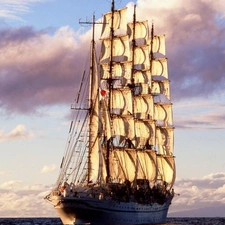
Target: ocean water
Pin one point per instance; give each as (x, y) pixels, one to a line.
(56, 221)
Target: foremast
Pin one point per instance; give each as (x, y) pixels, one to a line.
(94, 124)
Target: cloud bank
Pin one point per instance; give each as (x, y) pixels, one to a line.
(38, 68)
(24, 201)
(199, 197)
(195, 44)
(43, 68)
(196, 197)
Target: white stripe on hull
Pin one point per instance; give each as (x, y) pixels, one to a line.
(93, 211)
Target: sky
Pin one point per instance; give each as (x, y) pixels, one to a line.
(43, 50)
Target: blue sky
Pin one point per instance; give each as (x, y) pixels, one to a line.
(43, 51)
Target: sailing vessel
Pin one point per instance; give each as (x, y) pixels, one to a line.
(119, 166)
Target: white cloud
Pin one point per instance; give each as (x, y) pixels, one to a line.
(200, 114)
(196, 195)
(18, 133)
(26, 201)
(11, 185)
(199, 194)
(5, 173)
(11, 9)
(48, 169)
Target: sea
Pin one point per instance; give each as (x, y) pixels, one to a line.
(57, 221)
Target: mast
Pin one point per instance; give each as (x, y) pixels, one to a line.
(151, 58)
(110, 89)
(93, 113)
(91, 106)
(133, 44)
(133, 85)
(151, 52)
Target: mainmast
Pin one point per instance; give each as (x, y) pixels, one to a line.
(110, 82)
(91, 102)
(111, 37)
(132, 81)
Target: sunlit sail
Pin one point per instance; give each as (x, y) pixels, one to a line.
(119, 162)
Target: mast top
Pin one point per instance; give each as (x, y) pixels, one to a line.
(113, 6)
(152, 31)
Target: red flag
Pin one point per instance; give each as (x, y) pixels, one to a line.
(103, 93)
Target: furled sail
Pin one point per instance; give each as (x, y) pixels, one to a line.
(94, 159)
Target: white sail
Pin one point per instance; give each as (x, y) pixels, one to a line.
(102, 165)
(141, 32)
(94, 124)
(130, 164)
(121, 74)
(119, 23)
(121, 101)
(147, 165)
(142, 134)
(151, 143)
(120, 49)
(161, 87)
(141, 58)
(166, 134)
(159, 67)
(130, 130)
(121, 140)
(163, 114)
(142, 77)
(164, 138)
(94, 146)
(166, 169)
(158, 45)
(118, 131)
(140, 107)
(105, 118)
(122, 166)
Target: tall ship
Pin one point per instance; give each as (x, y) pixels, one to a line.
(119, 166)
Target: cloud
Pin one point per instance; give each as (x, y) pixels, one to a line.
(48, 169)
(24, 201)
(199, 114)
(5, 173)
(12, 9)
(38, 69)
(9, 185)
(18, 133)
(43, 68)
(195, 34)
(197, 195)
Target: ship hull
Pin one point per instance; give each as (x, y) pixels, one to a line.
(94, 211)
